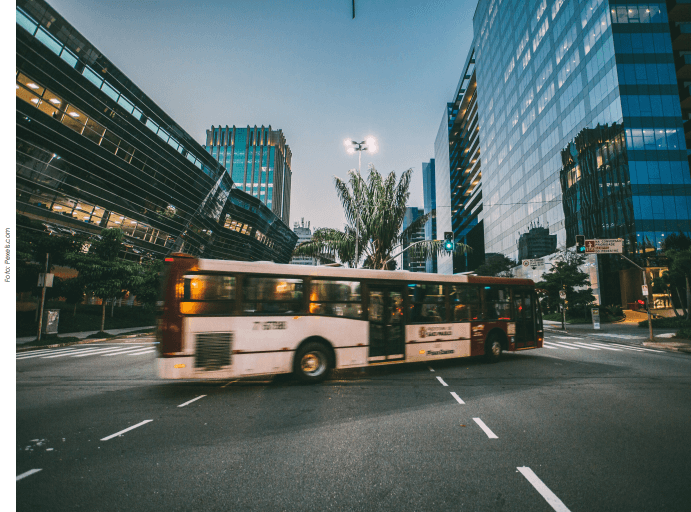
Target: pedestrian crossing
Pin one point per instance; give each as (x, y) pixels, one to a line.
(107, 350)
(573, 343)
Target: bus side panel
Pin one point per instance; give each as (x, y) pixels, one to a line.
(426, 342)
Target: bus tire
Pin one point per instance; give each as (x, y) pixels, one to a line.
(312, 362)
(493, 348)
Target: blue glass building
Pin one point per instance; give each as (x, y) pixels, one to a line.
(571, 91)
(258, 160)
(430, 204)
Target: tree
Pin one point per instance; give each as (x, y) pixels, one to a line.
(565, 275)
(677, 248)
(496, 265)
(106, 276)
(147, 286)
(377, 206)
(72, 290)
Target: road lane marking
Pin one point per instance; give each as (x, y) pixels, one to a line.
(72, 353)
(637, 349)
(565, 337)
(100, 351)
(442, 381)
(559, 345)
(458, 398)
(602, 345)
(51, 351)
(430, 369)
(143, 351)
(484, 427)
(539, 485)
(620, 336)
(582, 345)
(122, 351)
(544, 345)
(27, 473)
(126, 430)
(193, 400)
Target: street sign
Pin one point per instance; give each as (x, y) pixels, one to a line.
(644, 290)
(534, 263)
(48, 279)
(562, 294)
(604, 246)
(596, 318)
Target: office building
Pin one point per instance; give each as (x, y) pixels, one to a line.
(430, 204)
(536, 243)
(94, 152)
(304, 234)
(409, 262)
(584, 95)
(457, 151)
(258, 160)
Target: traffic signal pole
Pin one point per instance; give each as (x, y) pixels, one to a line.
(647, 298)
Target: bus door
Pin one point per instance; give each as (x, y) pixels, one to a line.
(526, 335)
(386, 340)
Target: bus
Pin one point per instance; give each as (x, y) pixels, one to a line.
(225, 319)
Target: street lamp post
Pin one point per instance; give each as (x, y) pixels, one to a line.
(369, 144)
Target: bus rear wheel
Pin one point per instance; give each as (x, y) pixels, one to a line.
(312, 363)
(493, 349)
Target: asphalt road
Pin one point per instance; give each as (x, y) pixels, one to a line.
(584, 425)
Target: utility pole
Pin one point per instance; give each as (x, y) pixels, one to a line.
(43, 299)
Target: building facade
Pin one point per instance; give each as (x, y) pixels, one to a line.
(408, 261)
(258, 161)
(430, 200)
(94, 152)
(304, 234)
(536, 243)
(596, 79)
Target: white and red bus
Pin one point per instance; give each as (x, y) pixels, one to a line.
(230, 319)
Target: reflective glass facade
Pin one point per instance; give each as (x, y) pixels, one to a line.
(563, 68)
(94, 152)
(430, 199)
(258, 159)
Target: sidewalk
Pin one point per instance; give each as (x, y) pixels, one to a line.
(629, 332)
(84, 334)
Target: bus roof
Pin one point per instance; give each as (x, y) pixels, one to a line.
(253, 267)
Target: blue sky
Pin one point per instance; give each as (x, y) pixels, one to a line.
(303, 66)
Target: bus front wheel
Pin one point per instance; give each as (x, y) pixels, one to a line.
(493, 348)
(312, 363)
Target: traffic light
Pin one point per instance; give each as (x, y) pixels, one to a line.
(580, 244)
(449, 244)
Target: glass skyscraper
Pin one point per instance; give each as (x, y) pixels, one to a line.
(258, 160)
(580, 122)
(430, 200)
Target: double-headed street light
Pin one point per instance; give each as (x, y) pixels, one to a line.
(369, 144)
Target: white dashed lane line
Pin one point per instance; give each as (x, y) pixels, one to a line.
(190, 401)
(27, 473)
(126, 430)
(484, 427)
(458, 398)
(539, 485)
(442, 382)
(430, 369)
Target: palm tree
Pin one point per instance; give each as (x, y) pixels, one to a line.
(381, 203)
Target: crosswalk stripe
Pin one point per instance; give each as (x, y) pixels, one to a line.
(585, 345)
(546, 345)
(605, 347)
(560, 345)
(69, 353)
(148, 351)
(45, 352)
(101, 351)
(122, 351)
(637, 349)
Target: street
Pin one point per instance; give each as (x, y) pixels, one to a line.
(585, 424)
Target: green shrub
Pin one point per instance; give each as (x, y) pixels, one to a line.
(669, 323)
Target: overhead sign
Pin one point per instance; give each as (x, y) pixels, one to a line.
(534, 263)
(604, 246)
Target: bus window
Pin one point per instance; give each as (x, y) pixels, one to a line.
(335, 298)
(211, 294)
(209, 287)
(271, 295)
(427, 303)
(465, 303)
(497, 303)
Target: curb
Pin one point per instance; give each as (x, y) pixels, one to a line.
(683, 348)
(82, 342)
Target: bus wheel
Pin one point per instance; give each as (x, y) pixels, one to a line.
(312, 363)
(493, 349)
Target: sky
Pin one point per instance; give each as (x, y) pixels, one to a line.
(302, 66)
